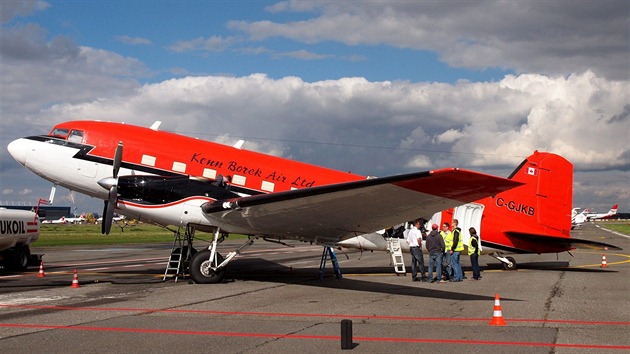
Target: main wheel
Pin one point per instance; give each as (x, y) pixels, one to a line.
(201, 271)
(507, 266)
(17, 258)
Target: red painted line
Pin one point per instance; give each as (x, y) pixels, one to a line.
(298, 336)
(280, 314)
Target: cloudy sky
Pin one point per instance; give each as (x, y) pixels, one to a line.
(372, 87)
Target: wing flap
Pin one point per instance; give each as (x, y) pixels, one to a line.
(335, 212)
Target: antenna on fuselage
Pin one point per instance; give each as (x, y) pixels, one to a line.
(156, 125)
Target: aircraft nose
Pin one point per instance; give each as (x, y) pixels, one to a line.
(19, 150)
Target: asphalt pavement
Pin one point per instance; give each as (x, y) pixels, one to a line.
(274, 301)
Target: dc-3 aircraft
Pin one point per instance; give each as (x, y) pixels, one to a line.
(169, 179)
(18, 229)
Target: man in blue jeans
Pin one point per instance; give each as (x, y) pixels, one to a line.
(455, 251)
(435, 246)
(414, 239)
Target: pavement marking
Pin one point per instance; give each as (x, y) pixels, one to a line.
(304, 315)
(322, 337)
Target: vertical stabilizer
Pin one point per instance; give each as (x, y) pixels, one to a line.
(542, 205)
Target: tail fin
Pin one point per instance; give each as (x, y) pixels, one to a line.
(543, 204)
(613, 210)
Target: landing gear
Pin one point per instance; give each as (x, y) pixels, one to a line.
(208, 266)
(511, 265)
(508, 263)
(204, 270)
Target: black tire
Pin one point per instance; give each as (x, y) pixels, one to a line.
(510, 267)
(17, 258)
(201, 273)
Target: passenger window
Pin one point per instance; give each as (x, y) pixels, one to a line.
(76, 136)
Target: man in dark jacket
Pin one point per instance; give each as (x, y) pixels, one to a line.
(435, 246)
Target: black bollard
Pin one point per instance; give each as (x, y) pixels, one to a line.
(346, 334)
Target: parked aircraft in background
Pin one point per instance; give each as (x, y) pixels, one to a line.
(595, 216)
(61, 220)
(18, 229)
(169, 179)
(65, 220)
(578, 217)
(115, 218)
(79, 220)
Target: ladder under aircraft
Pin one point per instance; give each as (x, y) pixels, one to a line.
(393, 244)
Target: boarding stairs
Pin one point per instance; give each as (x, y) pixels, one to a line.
(395, 250)
(181, 254)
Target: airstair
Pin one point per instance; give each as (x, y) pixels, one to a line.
(393, 244)
(181, 254)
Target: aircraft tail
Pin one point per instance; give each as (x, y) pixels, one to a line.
(543, 204)
(536, 217)
(613, 210)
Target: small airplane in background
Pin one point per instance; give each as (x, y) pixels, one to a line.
(61, 220)
(596, 216)
(169, 179)
(578, 217)
(115, 218)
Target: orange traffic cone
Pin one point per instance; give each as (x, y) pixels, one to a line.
(41, 274)
(75, 280)
(604, 265)
(497, 316)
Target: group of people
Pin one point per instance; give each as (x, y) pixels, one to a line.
(444, 246)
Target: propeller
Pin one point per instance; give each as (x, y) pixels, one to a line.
(111, 184)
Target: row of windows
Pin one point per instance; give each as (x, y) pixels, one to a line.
(208, 173)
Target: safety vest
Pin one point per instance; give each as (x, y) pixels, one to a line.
(470, 247)
(448, 240)
(460, 242)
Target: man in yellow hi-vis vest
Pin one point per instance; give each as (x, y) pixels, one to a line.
(456, 249)
(447, 235)
(474, 250)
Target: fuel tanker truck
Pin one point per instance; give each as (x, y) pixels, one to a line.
(18, 229)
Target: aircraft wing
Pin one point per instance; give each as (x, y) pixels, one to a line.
(330, 213)
(563, 242)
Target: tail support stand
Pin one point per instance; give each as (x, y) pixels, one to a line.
(329, 252)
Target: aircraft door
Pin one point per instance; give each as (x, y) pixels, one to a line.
(87, 168)
(469, 215)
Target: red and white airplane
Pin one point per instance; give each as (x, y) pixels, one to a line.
(595, 216)
(169, 179)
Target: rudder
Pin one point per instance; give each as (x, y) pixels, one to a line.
(548, 191)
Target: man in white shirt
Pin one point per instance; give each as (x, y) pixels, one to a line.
(414, 239)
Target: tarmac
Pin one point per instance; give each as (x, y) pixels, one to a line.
(274, 301)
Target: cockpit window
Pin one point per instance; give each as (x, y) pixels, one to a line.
(76, 136)
(73, 136)
(59, 133)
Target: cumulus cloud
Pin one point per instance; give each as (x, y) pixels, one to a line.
(499, 123)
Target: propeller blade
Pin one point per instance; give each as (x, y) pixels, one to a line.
(108, 216)
(118, 158)
(104, 218)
